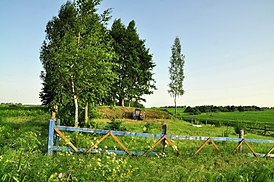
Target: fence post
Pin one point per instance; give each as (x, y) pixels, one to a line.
(164, 132)
(241, 136)
(50, 137)
(57, 136)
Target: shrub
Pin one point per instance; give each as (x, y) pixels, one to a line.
(115, 125)
(147, 127)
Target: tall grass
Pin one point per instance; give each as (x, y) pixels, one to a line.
(23, 157)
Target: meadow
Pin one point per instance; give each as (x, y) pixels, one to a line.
(248, 119)
(23, 152)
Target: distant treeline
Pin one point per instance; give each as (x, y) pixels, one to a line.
(11, 104)
(211, 108)
(14, 106)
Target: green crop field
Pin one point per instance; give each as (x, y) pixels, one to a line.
(256, 119)
(23, 152)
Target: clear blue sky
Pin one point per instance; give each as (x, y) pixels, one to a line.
(228, 47)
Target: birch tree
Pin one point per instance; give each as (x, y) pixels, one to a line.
(176, 72)
(76, 57)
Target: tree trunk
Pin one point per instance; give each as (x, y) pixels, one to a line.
(75, 97)
(121, 102)
(175, 103)
(76, 121)
(86, 113)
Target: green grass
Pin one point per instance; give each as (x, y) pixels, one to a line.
(23, 157)
(256, 119)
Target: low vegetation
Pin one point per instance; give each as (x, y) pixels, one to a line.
(23, 156)
(252, 118)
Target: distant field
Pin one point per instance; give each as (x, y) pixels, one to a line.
(250, 118)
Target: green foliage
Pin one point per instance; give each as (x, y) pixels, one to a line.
(77, 58)
(192, 111)
(147, 128)
(85, 63)
(133, 64)
(36, 166)
(94, 113)
(115, 125)
(211, 108)
(23, 154)
(239, 127)
(176, 72)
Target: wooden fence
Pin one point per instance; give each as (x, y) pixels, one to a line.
(55, 132)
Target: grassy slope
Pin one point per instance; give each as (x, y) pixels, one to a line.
(23, 137)
(124, 112)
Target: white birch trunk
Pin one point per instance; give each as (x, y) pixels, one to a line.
(175, 99)
(86, 113)
(75, 98)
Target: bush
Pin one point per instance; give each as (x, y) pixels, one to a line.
(115, 125)
(147, 127)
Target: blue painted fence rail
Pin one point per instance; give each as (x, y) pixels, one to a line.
(52, 148)
(148, 135)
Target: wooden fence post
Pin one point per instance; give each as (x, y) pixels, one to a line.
(164, 132)
(57, 136)
(50, 137)
(241, 136)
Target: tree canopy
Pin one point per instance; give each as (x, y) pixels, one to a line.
(134, 64)
(76, 56)
(84, 62)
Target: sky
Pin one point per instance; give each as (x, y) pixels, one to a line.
(228, 47)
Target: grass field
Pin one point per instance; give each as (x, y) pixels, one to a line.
(23, 157)
(255, 119)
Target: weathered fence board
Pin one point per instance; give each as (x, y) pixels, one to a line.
(50, 137)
